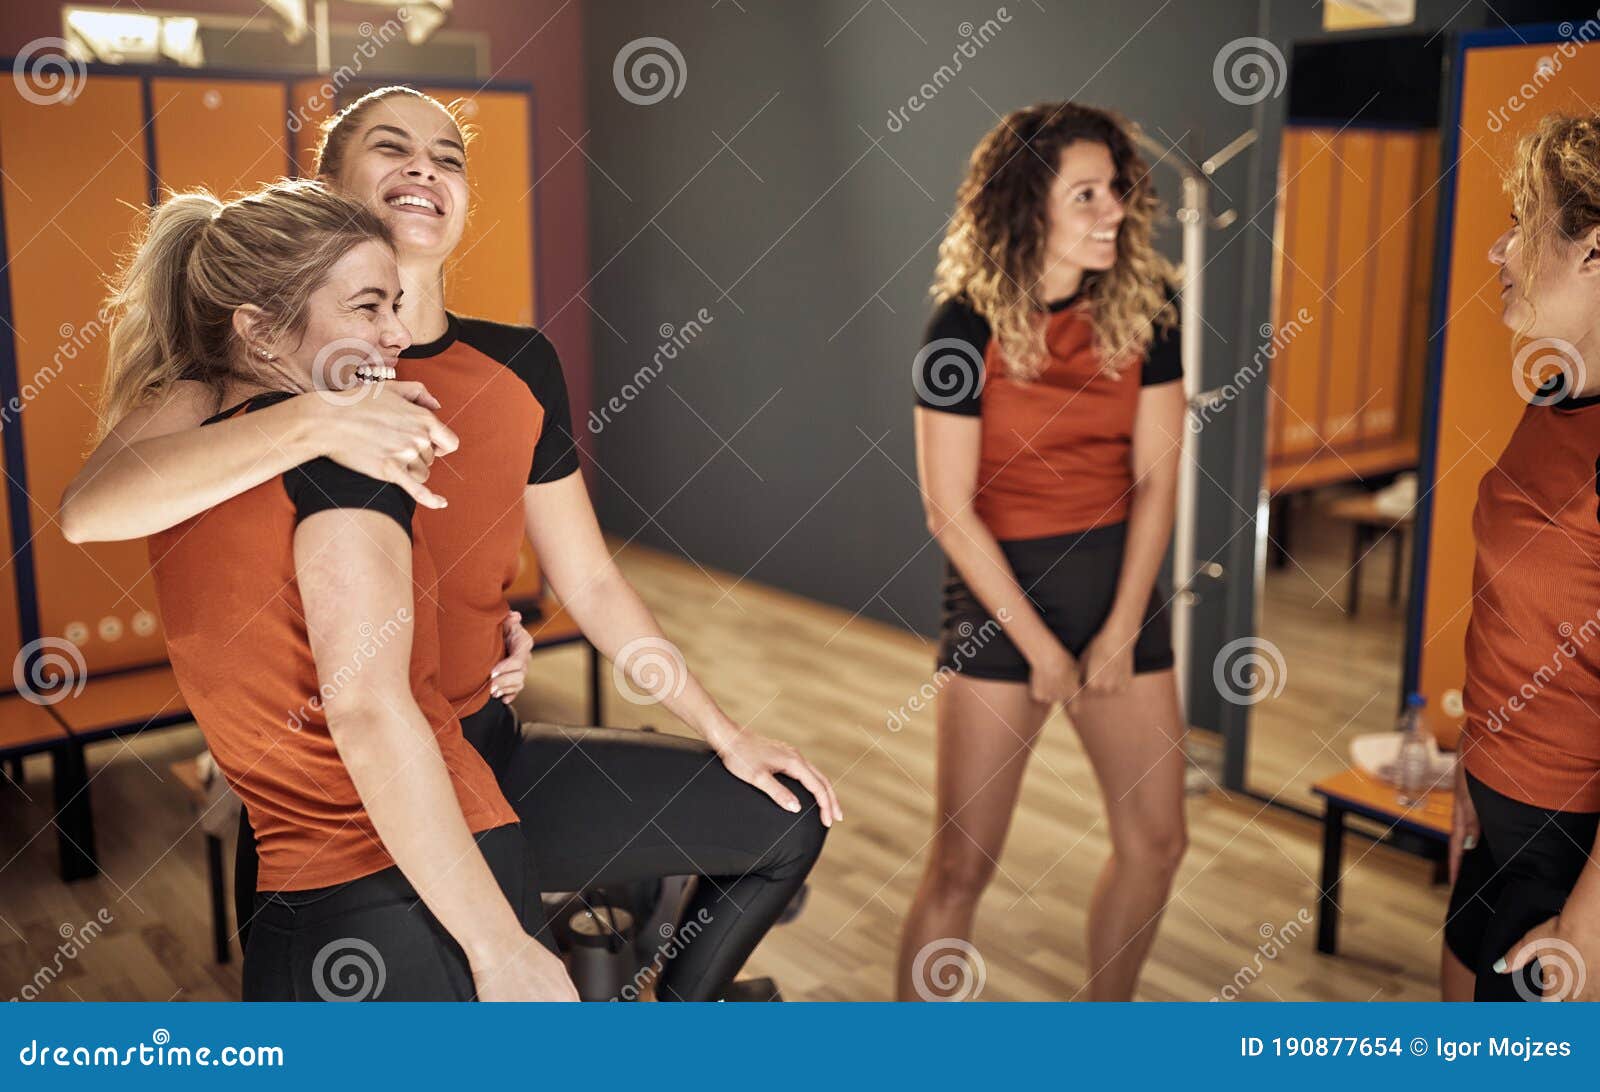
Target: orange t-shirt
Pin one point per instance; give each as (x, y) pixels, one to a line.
(236, 634)
(501, 390)
(1056, 453)
(1532, 693)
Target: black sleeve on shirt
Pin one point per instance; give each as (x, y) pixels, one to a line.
(1163, 361)
(323, 484)
(530, 355)
(948, 369)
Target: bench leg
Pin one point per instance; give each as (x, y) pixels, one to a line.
(1358, 546)
(1332, 868)
(219, 903)
(74, 817)
(595, 711)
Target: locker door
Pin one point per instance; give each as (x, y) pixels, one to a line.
(74, 174)
(225, 135)
(1478, 404)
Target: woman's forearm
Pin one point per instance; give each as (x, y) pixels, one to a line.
(1150, 517)
(394, 761)
(132, 487)
(612, 615)
(977, 556)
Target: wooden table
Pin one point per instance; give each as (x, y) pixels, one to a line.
(1354, 792)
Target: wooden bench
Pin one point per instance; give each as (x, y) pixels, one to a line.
(1371, 523)
(187, 774)
(1353, 792)
(109, 705)
(28, 728)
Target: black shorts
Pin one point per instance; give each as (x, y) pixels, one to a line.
(1071, 580)
(1520, 873)
(372, 939)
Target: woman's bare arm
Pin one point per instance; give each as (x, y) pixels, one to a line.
(158, 466)
(354, 571)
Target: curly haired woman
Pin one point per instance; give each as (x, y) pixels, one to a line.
(1049, 421)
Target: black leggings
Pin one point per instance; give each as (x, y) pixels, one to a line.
(606, 806)
(372, 938)
(1520, 873)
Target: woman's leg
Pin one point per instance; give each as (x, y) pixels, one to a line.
(1456, 979)
(1134, 740)
(606, 806)
(986, 729)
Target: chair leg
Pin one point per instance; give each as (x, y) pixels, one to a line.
(219, 902)
(596, 713)
(74, 817)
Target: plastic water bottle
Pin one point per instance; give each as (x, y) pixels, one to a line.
(1416, 763)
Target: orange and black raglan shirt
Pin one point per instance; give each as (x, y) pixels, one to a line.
(1532, 693)
(236, 636)
(1056, 453)
(501, 390)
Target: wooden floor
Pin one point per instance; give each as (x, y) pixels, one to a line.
(817, 677)
(1341, 673)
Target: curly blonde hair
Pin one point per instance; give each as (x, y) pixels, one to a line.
(993, 251)
(1554, 187)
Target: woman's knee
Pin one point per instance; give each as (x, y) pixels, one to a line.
(959, 870)
(1153, 847)
(804, 833)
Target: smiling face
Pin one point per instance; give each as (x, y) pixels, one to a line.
(1549, 284)
(407, 161)
(353, 331)
(1084, 210)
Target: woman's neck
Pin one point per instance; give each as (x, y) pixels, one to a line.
(1059, 281)
(422, 309)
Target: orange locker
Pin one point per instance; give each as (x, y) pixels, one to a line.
(75, 175)
(1351, 272)
(1478, 404)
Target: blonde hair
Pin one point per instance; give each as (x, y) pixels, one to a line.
(198, 261)
(993, 251)
(1554, 187)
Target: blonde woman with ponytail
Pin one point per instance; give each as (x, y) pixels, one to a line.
(380, 827)
(1524, 918)
(1048, 419)
(745, 812)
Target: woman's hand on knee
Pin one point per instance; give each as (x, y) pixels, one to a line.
(758, 761)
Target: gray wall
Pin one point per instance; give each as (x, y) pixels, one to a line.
(778, 444)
